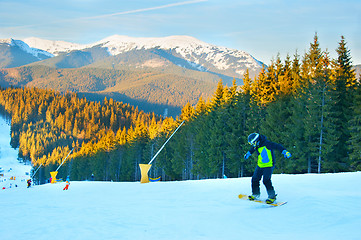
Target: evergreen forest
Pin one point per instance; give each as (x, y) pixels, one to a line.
(310, 104)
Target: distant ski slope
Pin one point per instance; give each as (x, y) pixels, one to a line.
(10, 167)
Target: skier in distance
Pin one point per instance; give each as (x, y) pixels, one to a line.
(67, 183)
(29, 183)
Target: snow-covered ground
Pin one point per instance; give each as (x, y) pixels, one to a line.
(9, 165)
(325, 206)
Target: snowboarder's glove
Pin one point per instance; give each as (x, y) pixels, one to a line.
(286, 154)
(247, 155)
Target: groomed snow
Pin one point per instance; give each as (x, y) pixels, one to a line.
(323, 206)
(320, 206)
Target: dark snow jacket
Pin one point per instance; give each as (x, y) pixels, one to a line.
(265, 152)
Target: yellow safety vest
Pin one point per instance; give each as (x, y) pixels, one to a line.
(264, 157)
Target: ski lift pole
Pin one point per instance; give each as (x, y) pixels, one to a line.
(53, 174)
(165, 143)
(36, 171)
(64, 160)
(144, 168)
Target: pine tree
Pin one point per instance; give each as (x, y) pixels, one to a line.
(314, 85)
(187, 112)
(235, 135)
(344, 80)
(329, 132)
(355, 131)
(275, 126)
(262, 90)
(296, 75)
(218, 98)
(201, 107)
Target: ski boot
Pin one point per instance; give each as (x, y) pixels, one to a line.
(253, 197)
(271, 199)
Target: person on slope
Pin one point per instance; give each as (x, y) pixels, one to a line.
(265, 165)
(67, 183)
(29, 183)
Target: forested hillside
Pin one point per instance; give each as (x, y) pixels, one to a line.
(151, 90)
(156, 74)
(309, 104)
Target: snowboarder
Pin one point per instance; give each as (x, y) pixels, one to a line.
(265, 165)
(29, 183)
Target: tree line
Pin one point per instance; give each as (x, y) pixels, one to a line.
(309, 104)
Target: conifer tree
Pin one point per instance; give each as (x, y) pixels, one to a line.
(218, 97)
(344, 80)
(235, 135)
(329, 132)
(187, 112)
(355, 131)
(201, 107)
(296, 75)
(261, 89)
(314, 85)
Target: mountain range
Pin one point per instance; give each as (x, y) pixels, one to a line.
(153, 73)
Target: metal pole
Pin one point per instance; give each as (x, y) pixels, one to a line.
(36, 171)
(165, 143)
(64, 160)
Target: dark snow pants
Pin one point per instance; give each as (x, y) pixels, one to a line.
(256, 178)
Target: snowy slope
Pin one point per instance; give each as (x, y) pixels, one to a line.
(9, 165)
(323, 206)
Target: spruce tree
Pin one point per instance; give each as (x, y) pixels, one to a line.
(355, 131)
(344, 80)
(314, 85)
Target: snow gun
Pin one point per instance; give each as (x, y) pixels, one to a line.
(144, 168)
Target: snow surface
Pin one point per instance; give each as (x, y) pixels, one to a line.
(320, 206)
(9, 165)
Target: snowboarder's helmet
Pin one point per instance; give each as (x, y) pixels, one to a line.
(253, 139)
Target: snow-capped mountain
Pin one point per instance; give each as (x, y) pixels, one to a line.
(190, 48)
(181, 69)
(53, 47)
(15, 53)
(36, 52)
(200, 55)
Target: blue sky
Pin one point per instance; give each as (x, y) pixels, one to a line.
(262, 28)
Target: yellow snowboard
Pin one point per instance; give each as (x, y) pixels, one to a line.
(275, 204)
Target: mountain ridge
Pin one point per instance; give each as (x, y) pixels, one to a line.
(202, 55)
(165, 72)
